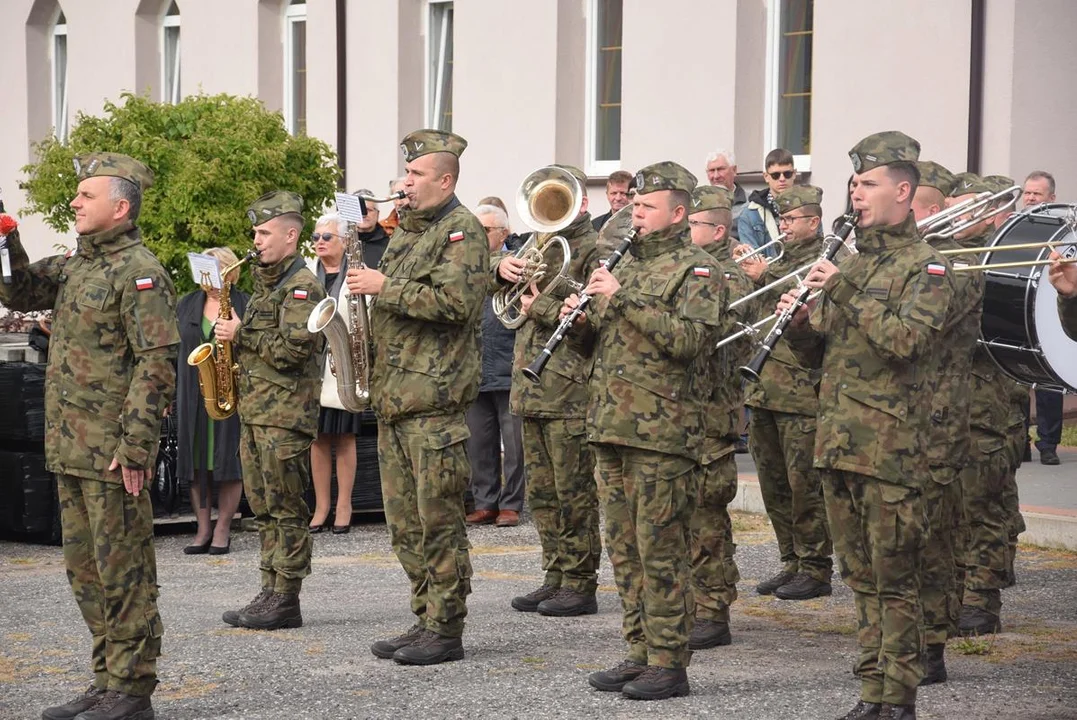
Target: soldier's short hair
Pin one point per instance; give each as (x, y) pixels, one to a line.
(447, 164)
(293, 220)
(778, 156)
(680, 197)
(905, 171)
(620, 177)
(1043, 175)
(120, 189)
(813, 210)
(718, 216)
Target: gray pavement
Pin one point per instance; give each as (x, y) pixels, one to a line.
(1049, 486)
(788, 660)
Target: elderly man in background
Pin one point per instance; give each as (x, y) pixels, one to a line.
(722, 172)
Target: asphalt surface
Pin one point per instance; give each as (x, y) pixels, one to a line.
(788, 660)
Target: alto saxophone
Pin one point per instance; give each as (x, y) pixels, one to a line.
(216, 369)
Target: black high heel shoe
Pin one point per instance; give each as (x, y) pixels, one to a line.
(342, 529)
(198, 549)
(315, 529)
(221, 549)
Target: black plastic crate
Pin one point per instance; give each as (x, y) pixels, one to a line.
(27, 493)
(22, 412)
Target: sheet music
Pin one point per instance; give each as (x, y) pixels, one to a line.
(205, 269)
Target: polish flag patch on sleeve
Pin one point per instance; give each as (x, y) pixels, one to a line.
(701, 272)
(456, 236)
(299, 294)
(145, 283)
(936, 269)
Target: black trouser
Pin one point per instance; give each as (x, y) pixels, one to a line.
(492, 425)
(1048, 419)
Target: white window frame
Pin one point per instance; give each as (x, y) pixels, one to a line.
(773, 86)
(434, 104)
(170, 84)
(59, 95)
(292, 14)
(594, 166)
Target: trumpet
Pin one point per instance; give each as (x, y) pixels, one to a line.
(947, 223)
(776, 242)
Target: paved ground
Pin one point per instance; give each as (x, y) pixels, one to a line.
(1050, 486)
(787, 661)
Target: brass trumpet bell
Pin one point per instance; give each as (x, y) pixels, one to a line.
(549, 199)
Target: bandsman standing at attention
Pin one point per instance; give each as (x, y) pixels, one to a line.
(561, 489)
(279, 383)
(110, 376)
(425, 322)
(880, 317)
(782, 426)
(657, 323)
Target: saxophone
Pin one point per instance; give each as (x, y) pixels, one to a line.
(213, 360)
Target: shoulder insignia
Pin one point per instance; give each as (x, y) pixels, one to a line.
(145, 283)
(701, 271)
(936, 269)
(958, 264)
(299, 294)
(456, 236)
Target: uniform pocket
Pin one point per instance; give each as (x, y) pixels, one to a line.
(444, 463)
(901, 519)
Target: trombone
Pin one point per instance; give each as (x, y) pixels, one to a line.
(398, 195)
(776, 242)
(984, 206)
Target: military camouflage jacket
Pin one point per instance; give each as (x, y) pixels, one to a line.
(111, 370)
(427, 319)
(991, 415)
(785, 385)
(653, 337)
(1067, 311)
(562, 391)
(877, 325)
(280, 376)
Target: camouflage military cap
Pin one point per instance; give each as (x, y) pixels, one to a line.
(575, 172)
(934, 175)
(798, 196)
(107, 164)
(968, 183)
(710, 197)
(666, 175)
(274, 204)
(424, 142)
(883, 148)
(999, 182)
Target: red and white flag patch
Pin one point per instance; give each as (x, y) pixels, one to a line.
(701, 272)
(145, 283)
(456, 236)
(936, 269)
(299, 294)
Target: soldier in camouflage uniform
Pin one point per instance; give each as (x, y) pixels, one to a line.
(110, 376)
(561, 489)
(948, 447)
(425, 324)
(782, 426)
(714, 571)
(881, 316)
(278, 387)
(654, 329)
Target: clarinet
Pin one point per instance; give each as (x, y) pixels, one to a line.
(534, 371)
(752, 370)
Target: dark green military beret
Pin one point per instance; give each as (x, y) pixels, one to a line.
(968, 183)
(883, 148)
(274, 204)
(710, 197)
(798, 196)
(424, 142)
(666, 175)
(575, 172)
(999, 182)
(98, 164)
(934, 175)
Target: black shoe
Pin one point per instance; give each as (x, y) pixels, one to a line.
(82, 703)
(741, 447)
(863, 711)
(198, 549)
(232, 616)
(1049, 457)
(221, 549)
(615, 678)
(342, 529)
(898, 712)
(767, 587)
(566, 602)
(803, 587)
(430, 649)
(385, 649)
(658, 683)
(934, 665)
(530, 601)
(279, 611)
(977, 621)
(708, 634)
(315, 529)
(119, 706)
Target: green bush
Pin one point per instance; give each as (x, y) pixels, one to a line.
(211, 154)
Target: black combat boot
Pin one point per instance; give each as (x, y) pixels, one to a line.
(83, 702)
(385, 649)
(615, 678)
(708, 634)
(566, 602)
(232, 616)
(658, 683)
(898, 712)
(977, 621)
(280, 610)
(803, 587)
(934, 665)
(530, 601)
(120, 706)
(863, 711)
(430, 649)
(767, 587)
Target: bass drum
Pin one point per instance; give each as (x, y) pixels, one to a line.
(1021, 330)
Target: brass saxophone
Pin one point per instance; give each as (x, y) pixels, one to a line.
(216, 370)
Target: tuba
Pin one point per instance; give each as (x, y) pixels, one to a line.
(216, 370)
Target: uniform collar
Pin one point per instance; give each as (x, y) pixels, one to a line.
(662, 241)
(419, 220)
(109, 241)
(888, 237)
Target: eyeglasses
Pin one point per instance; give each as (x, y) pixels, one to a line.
(490, 228)
(786, 174)
(697, 223)
(315, 237)
(789, 219)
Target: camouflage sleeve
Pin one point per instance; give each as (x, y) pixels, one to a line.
(903, 333)
(807, 342)
(149, 320)
(454, 288)
(33, 287)
(1067, 312)
(289, 344)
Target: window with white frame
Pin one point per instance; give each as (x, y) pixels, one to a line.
(789, 62)
(439, 65)
(604, 86)
(59, 77)
(295, 67)
(170, 55)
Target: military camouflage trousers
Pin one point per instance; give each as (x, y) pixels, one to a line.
(112, 568)
(878, 529)
(783, 446)
(714, 571)
(424, 475)
(940, 592)
(989, 513)
(563, 498)
(648, 498)
(276, 473)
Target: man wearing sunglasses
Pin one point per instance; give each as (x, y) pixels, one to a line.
(758, 224)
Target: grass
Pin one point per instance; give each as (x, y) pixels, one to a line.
(1069, 435)
(973, 645)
